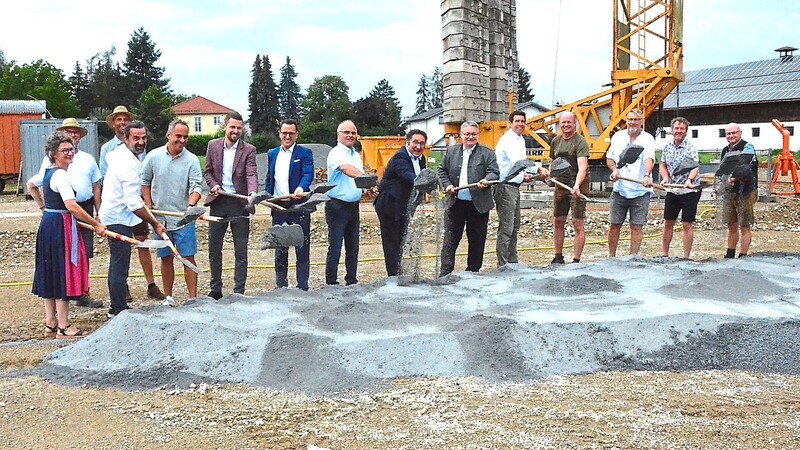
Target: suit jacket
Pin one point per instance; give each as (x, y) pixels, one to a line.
(245, 175)
(301, 169)
(397, 184)
(482, 164)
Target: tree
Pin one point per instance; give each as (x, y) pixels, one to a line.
(325, 105)
(4, 63)
(263, 97)
(524, 93)
(154, 108)
(79, 85)
(423, 95)
(140, 69)
(289, 95)
(40, 80)
(106, 82)
(379, 113)
(437, 88)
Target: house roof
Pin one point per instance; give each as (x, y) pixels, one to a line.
(200, 105)
(772, 80)
(22, 107)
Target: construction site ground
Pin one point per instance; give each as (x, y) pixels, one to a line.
(641, 409)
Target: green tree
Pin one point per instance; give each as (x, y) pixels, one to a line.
(524, 93)
(40, 80)
(325, 105)
(154, 108)
(105, 82)
(4, 63)
(436, 87)
(289, 95)
(263, 97)
(379, 113)
(79, 84)
(423, 95)
(140, 69)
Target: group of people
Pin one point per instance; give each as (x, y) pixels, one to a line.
(132, 192)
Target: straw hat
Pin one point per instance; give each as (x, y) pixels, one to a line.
(117, 111)
(71, 122)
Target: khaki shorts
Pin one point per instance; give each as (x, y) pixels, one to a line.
(563, 201)
(739, 208)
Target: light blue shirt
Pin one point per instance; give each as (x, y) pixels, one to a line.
(463, 180)
(345, 189)
(415, 161)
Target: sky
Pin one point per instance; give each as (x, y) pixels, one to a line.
(208, 47)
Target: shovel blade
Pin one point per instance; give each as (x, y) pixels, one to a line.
(186, 263)
(366, 181)
(519, 167)
(685, 166)
(151, 244)
(426, 181)
(559, 166)
(311, 203)
(322, 188)
(283, 236)
(731, 161)
(629, 155)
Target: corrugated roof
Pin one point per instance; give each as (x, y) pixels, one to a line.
(770, 80)
(22, 107)
(200, 105)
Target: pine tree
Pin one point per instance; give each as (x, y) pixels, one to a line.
(389, 121)
(140, 68)
(436, 87)
(105, 82)
(258, 119)
(79, 83)
(524, 93)
(154, 108)
(423, 95)
(289, 94)
(270, 97)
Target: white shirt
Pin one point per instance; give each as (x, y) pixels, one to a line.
(510, 149)
(228, 155)
(464, 194)
(282, 171)
(619, 141)
(122, 188)
(415, 162)
(60, 183)
(83, 173)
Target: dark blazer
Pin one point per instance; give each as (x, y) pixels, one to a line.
(482, 164)
(396, 185)
(245, 173)
(301, 169)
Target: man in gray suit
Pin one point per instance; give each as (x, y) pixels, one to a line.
(468, 162)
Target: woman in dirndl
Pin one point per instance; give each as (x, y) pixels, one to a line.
(62, 270)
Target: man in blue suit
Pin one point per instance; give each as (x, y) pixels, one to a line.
(290, 172)
(394, 191)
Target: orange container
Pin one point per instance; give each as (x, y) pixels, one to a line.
(9, 142)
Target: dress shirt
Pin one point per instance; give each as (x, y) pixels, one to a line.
(510, 149)
(415, 162)
(282, 163)
(464, 194)
(122, 188)
(228, 155)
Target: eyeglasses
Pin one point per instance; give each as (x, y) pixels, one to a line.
(633, 119)
(287, 133)
(349, 133)
(67, 151)
(416, 142)
(469, 134)
(731, 133)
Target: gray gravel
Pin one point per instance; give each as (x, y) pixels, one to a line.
(515, 324)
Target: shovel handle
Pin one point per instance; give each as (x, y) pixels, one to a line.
(207, 218)
(564, 186)
(472, 185)
(634, 180)
(110, 234)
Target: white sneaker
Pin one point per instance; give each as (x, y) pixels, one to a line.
(169, 301)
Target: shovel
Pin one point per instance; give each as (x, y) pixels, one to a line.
(190, 215)
(311, 203)
(516, 169)
(559, 166)
(426, 181)
(252, 201)
(318, 189)
(629, 155)
(147, 243)
(685, 166)
(178, 256)
(366, 181)
(731, 161)
(283, 236)
(655, 185)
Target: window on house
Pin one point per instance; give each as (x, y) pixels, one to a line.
(722, 132)
(694, 134)
(663, 134)
(198, 124)
(441, 120)
(217, 121)
(756, 131)
(791, 130)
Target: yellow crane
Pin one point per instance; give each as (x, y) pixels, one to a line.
(642, 76)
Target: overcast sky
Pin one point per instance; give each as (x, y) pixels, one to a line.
(208, 47)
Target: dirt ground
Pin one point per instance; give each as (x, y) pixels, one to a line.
(709, 409)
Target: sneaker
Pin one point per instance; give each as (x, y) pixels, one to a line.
(86, 301)
(113, 313)
(169, 301)
(154, 292)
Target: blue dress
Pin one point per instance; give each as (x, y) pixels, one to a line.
(62, 269)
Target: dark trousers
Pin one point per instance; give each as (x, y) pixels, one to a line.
(343, 222)
(240, 228)
(301, 253)
(461, 214)
(393, 231)
(119, 264)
